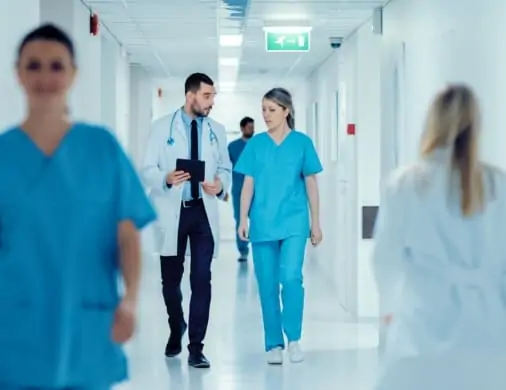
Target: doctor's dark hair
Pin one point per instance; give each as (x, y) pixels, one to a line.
(454, 122)
(194, 81)
(283, 98)
(50, 33)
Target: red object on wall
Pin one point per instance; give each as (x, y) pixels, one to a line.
(94, 23)
(160, 92)
(350, 130)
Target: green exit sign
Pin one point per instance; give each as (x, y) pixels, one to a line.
(287, 42)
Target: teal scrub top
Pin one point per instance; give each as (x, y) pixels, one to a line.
(279, 207)
(59, 264)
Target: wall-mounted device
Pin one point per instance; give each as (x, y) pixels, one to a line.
(369, 215)
(335, 42)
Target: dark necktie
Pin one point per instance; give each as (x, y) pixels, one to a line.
(194, 155)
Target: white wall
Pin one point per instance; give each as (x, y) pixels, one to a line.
(108, 88)
(16, 19)
(450, 41)
(123, 99)
(388, 83)
(430, 43)
(101, 90)
(351, 162)
(73, 16)
(141, 109)
(115, 85)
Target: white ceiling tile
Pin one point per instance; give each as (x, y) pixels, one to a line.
(184, 34)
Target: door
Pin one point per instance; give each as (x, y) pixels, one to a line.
(346, 206)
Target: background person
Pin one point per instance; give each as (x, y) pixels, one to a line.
(69, 223)
(439, 259)
(235, 148)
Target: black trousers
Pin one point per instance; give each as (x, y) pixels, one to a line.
(193, 225)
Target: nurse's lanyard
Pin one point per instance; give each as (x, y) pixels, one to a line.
(212, 135)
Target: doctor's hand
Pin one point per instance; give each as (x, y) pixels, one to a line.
(243, 231)
(316, 235)
(213, 188)
(124, 322)
(177, 177)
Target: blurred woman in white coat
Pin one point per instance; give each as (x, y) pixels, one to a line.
(440, 260)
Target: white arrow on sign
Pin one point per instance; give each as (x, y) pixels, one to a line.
(281, 41)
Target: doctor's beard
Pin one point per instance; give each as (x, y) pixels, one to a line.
(197, 111)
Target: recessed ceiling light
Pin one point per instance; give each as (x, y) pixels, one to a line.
(229, 40)
(231, 61)
(287, 29)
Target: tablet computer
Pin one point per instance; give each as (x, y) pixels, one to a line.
(196, 168)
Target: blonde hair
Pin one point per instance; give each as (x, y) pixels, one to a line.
(454, 121)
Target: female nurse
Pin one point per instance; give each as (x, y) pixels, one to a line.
(439, 259)
(280, 168)
(71, 207)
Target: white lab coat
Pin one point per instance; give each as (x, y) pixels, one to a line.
(160, 159)
(443, 279)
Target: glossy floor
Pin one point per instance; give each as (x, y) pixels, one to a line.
(339, 354)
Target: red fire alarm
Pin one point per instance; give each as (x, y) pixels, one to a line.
(160, 92)
(350, 130)
(94, 22)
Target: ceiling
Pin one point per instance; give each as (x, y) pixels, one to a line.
(173, 38)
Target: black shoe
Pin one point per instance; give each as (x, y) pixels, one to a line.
(243, 258)
(198, 360)
(174, 345)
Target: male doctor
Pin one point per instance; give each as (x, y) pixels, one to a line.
(188, 210)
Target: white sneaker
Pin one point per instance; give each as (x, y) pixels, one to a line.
(295, 352)
(275, 356)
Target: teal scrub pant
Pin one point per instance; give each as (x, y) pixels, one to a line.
(279, 263)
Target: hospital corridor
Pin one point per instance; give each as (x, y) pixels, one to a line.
(252, 195)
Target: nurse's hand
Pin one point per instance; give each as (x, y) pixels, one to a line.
(177, 177)
(124, 322)
(243, 231)
(316, 235)
(213, 188)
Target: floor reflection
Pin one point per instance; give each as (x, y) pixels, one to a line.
(339, 354)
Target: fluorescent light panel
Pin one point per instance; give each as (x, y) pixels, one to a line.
(288, 30)
(229, 40)
(230, 61)
(226, 84)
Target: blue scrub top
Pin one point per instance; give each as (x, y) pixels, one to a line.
(279, 208)
(59, 263)
(235, 149)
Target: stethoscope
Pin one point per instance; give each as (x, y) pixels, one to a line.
(212, 135)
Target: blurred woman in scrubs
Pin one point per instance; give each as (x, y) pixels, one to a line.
(71, 207)
(440, 259)
(280, 168)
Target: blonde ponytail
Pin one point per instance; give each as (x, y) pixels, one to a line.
(453, 122)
